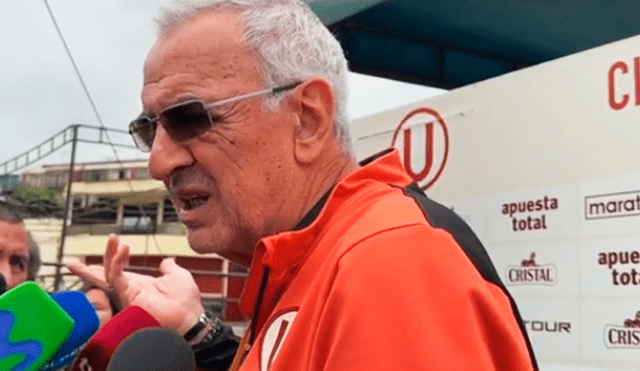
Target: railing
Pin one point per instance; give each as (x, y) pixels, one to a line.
(58, 141)
(214, 301)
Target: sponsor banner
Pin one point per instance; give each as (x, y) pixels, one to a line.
(612, 332)
(531, 273)
(473, 211)
(535, 215)
(549, 181)
(611, 267)
(626, 336)
(610, 207)
(553, 326)
(545, 269)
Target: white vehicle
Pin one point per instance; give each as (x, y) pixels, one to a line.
(544, 164)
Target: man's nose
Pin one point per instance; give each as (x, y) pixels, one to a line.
(3, 284)
(5, 271)
(167, 156)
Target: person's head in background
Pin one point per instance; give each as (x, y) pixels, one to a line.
(19, 253)
(104, 302)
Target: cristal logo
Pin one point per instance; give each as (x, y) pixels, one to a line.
(626, 336)
(423, 139)
(531, 273)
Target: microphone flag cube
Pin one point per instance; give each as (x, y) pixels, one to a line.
(32, 328)
(78, 306)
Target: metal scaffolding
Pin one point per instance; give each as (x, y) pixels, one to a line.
(72, 134)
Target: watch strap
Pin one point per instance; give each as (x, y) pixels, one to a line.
(195, 330)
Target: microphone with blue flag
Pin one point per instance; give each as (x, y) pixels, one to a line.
(76, 304)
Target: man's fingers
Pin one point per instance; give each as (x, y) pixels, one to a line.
(112, 248)
(115, 274)
(93, 274)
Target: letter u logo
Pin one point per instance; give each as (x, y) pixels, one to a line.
(428, 154)
(277, 331)
(424, 145)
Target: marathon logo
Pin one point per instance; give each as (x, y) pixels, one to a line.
(530, 273)
(620, 277)
(529, 215)
(623, 337)
(612, 205)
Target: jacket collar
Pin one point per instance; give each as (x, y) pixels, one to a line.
(277, 258)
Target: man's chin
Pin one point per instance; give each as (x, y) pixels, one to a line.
(199, 246)
(202, 242)
(207, 243)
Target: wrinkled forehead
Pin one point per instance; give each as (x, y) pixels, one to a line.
(14, 237)
(205, 49)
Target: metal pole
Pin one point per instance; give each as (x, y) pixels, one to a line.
(67, 209)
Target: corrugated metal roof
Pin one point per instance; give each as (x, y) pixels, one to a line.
(451, 43)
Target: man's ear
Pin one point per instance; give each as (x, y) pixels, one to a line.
(315, 127)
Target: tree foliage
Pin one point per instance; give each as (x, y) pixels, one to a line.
(30, 193)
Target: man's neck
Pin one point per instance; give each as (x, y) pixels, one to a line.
(325, 178)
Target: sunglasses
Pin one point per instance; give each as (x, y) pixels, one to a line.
(189, 119)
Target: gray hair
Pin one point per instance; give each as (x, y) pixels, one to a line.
(8, 215)
(289, 41)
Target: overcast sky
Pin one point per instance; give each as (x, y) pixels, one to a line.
(40, 93)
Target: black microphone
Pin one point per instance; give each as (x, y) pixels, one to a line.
(153, 349)
(3, 284)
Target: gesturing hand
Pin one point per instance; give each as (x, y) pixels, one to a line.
(173, 298)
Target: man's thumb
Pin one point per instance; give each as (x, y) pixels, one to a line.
(168, 266)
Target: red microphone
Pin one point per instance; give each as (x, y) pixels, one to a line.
(97, 354)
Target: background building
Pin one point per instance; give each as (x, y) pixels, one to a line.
(121, 198)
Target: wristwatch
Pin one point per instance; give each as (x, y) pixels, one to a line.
(207, 327)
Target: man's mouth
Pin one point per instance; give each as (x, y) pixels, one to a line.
(191, 203)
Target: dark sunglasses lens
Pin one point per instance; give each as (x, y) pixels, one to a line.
(186, 121)
(143, 130)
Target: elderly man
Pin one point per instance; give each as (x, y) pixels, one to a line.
(19, 254)
(351, 265)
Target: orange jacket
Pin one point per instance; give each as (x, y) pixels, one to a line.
(382, 279)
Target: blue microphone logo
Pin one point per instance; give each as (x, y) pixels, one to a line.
(32, 328)
(32, 350)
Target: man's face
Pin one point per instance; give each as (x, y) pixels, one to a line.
(14, 253)
(229, 184)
